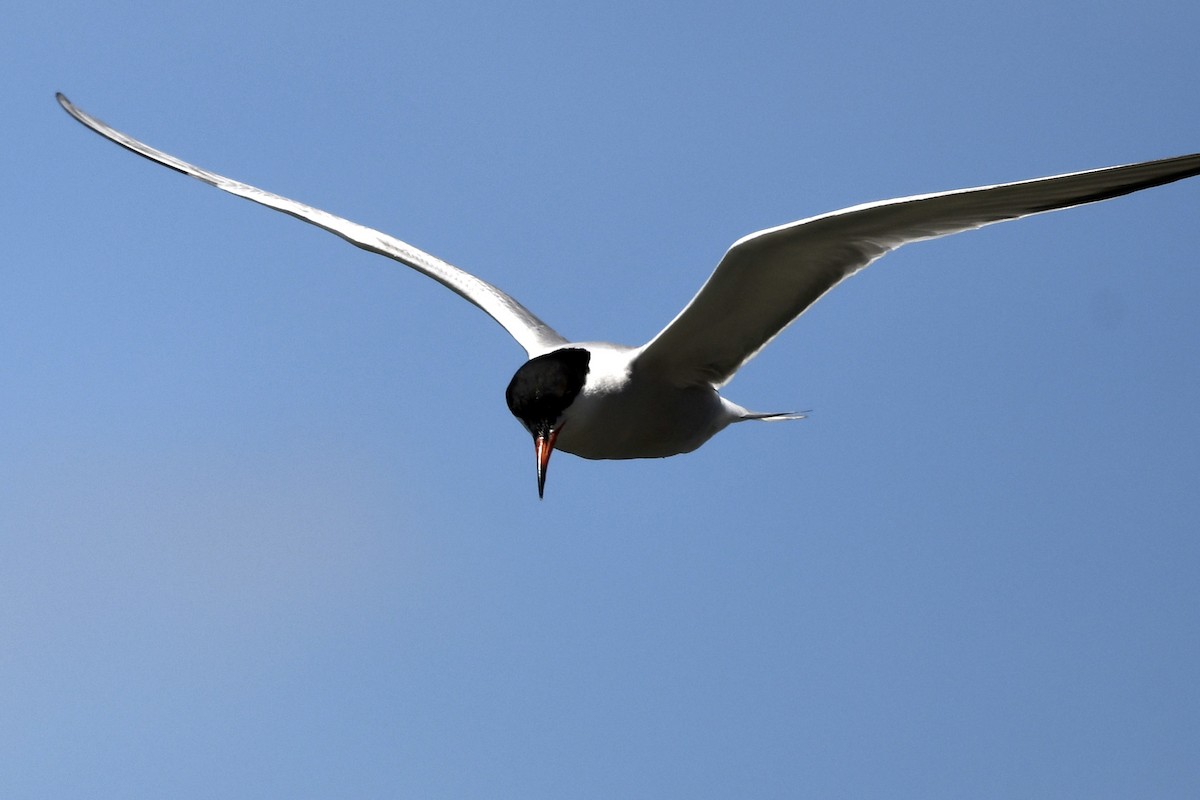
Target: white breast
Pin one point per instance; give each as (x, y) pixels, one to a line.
(625, 413)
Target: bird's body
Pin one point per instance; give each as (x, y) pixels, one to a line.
(625, 411)
(605, 401)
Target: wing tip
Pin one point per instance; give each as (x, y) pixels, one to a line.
(71, 109)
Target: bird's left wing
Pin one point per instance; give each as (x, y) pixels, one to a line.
(530, 332)
(769, 278)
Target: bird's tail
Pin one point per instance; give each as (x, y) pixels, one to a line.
(777, 416)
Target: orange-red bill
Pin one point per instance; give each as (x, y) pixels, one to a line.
(543, 446)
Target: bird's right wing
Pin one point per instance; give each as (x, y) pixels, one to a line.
(769, 278)
(530, 332)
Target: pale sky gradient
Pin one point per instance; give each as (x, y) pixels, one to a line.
(268, 530)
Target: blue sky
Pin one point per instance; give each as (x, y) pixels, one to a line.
(268, 530)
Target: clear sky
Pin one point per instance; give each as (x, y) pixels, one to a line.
(267, 528)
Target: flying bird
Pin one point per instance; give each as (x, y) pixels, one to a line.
(601, 400)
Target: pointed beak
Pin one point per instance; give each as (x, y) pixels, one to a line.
(543, 446)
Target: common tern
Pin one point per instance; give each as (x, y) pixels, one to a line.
(601, 400)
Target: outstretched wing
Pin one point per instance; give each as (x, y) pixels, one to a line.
(530, 332)
(769, 278)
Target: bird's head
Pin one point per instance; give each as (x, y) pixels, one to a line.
(539, 395)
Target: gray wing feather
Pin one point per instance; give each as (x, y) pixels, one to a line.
(769, 278)
(529, 331)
